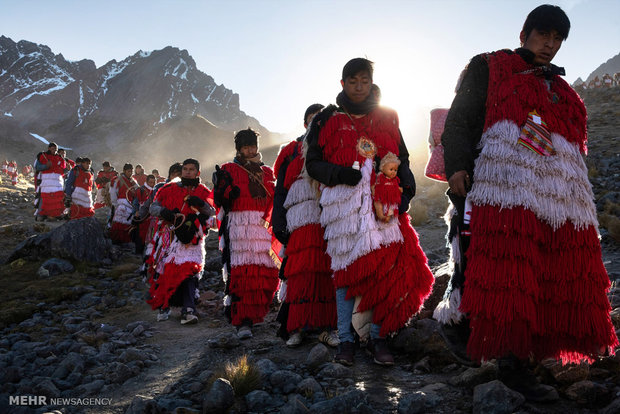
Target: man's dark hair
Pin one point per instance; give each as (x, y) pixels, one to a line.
(175, 168)
(192, 161)
(150, 177)
(52, 144)
(312, 109)
(84, 159)
(62, 149)
(139, 166)
(127, 167)
(546, 18)
(106, 164)
(79, 160)
(155, 171)
(246, 137)
(355, 66)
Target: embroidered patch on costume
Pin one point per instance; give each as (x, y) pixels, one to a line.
(535, 136)
(366, 147)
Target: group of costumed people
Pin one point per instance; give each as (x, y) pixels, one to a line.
(328, 227)
(9, 168)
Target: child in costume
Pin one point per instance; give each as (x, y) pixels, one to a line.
(386, 189)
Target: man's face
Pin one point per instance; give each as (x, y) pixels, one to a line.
(53, 150)
(248, 151)
(128, 172)
(309, 118)
(544, 45)
(86, 165)
(190, 171)
(357, 87)
(139, 170)
(150, 182)
(106, 168)
(62, 153)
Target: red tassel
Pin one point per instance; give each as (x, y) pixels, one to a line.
(254, 286)
(168, 282)
(52, 204)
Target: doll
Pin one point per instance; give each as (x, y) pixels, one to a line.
(386, 191)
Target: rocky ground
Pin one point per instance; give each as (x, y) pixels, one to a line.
(87, 333)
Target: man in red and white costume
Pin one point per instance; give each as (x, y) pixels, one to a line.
(70, 164)
(78, 190)
(121, 193)
(379, 264)
(12, 172)
(140, 176)
(50, 167)
(141, 224)
(5, 167)
(243, 192)
(535, 284)
(103, 181)
(185, 207)
(309, 299)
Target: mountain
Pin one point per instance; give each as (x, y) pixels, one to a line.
(151, 108)
(610, 67)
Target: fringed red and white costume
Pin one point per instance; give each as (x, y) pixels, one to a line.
(103, 188)
(253, 270)
(81, 198)
(121, 190)
(141, 195)
(381, 262)
(140, 178)
(13, 172)
(51, 188)
(387, 192)
(310, 291)
(535, 282)
(179, 261)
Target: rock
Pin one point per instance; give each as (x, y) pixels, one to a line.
(132, 354)
(285, 380)
(45, 386)
(418, 402)
(423, 365)
(220, 397)
(226, 340)
(118, 372)
(340, 404)
(91, 388)
(185, 410)
(612, 408)
(43, 273)
(567, 374)
(73, 362)
(204, 376)
(138, 330)
(475, 376)
(424, 339)
(266, 368)
(334, 370)
(57, 266)
(258, 400)
(142, 404)
(319, 354)
(309, 387)
(90, 245)
(171, 404)
(295, 405)
(494, 397)
(588, 393)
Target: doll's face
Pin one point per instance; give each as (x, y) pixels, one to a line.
(390, 169)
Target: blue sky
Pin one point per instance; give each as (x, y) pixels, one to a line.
(281, 56)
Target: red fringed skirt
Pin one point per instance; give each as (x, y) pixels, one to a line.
(532, 290)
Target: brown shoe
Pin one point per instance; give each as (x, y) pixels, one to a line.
(346, 353)
(378, 349)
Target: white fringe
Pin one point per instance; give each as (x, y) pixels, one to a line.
(301, 190)
(555, 188)
(82, 197)
(179, 253)
(224, 273)
(251, 245)
(51, 183)
(250, 241)
(282, 291)
(447, 311)
(250, 258)
(122, 212)
(227, 300)
(304, 213)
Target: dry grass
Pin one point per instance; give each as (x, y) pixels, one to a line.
(612, 224)
(243, 375)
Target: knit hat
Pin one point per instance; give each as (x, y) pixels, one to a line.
(246, 137)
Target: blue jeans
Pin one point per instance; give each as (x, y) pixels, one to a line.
(344, 310)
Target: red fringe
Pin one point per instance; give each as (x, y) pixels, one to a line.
(58, 163)
(311, 316)
(173, 196)
(168, 282)
(387, 190)
(512, 97)
(78, 212)
(285, 151)
(255, 286)
(245, 201)
(119, 232)
(293, 171)
(532, 290)
(52, 204)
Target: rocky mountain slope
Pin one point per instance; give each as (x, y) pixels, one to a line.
(146, 103)
(610, 67)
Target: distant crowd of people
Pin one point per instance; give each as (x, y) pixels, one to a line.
(606, 81)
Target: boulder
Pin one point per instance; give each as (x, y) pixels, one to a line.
(82, 240)
(220, 397)
(319, 354)
(494, 397)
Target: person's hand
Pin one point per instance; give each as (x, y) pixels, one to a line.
(194, 201)
(234, 193)
(349, 176)
(459, 183)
